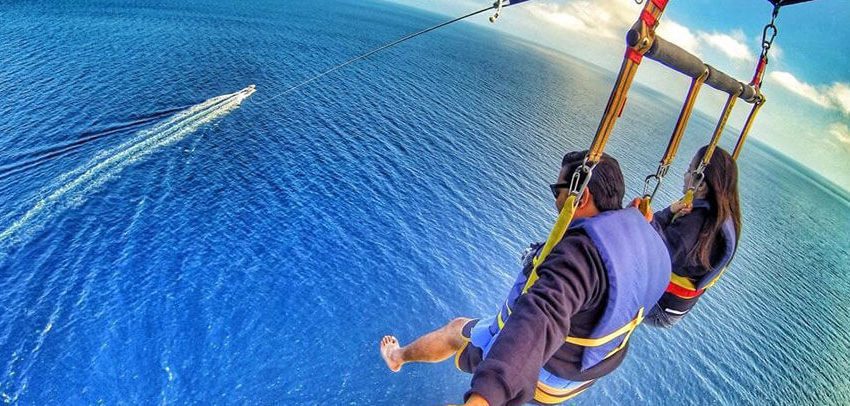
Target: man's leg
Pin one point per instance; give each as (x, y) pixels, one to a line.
(435, 346)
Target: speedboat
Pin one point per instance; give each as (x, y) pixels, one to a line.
(248, 90)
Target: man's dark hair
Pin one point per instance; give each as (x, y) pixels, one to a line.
(606, 185)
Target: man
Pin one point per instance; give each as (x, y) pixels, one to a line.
(573, 323)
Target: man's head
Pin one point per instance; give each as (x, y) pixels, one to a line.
(605, 190)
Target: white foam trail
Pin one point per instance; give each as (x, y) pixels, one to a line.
(78, 183)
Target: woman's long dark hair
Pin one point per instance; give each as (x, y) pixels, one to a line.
(721, 179)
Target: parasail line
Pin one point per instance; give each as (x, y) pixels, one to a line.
(374, 51)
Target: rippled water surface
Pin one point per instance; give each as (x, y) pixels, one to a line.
(163, 242)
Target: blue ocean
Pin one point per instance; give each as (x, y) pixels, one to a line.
(165, 239)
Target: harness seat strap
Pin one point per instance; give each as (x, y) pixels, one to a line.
(596, 342)
(549, 395)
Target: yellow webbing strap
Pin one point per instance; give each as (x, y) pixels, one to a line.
(596, 342)
(565, 217)
(682, 282)
(645, 205)
(628, 70)
(688, 199)
(718, 130)
(549, 395)
(715, 139)
(684, 117)
(687, 283)
(501, 320)
(747, 125)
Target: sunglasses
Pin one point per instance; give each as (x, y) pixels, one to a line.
(556, 188)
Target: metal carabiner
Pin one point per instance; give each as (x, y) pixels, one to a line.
(697, 177)
(577, 184)
(646, 192)
(770, 31)
(767, 39)
(498, 5)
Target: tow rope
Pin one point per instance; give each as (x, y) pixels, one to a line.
(379, 49)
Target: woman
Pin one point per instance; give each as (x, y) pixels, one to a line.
(701, 237)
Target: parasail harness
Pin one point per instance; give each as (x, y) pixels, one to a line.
(641, 41)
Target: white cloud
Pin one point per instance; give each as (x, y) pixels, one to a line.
(611, 19)
(724, 49)
(835, 96)
(552, 14)
(841, 132)
(732, 45)
(804, 90)
(839, 94)
(605, 18)
(679, 35)
(776, 51)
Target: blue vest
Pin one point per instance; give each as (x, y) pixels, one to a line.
(637, 266)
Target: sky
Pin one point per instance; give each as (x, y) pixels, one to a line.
(807, 114)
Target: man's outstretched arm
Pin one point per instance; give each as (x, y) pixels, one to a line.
(538, 324)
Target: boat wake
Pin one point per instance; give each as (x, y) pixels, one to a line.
(72, 188)
(31, 159)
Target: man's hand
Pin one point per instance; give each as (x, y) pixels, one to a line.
(476, 400)
(644, 209)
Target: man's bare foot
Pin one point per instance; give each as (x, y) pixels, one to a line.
(390, 353)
